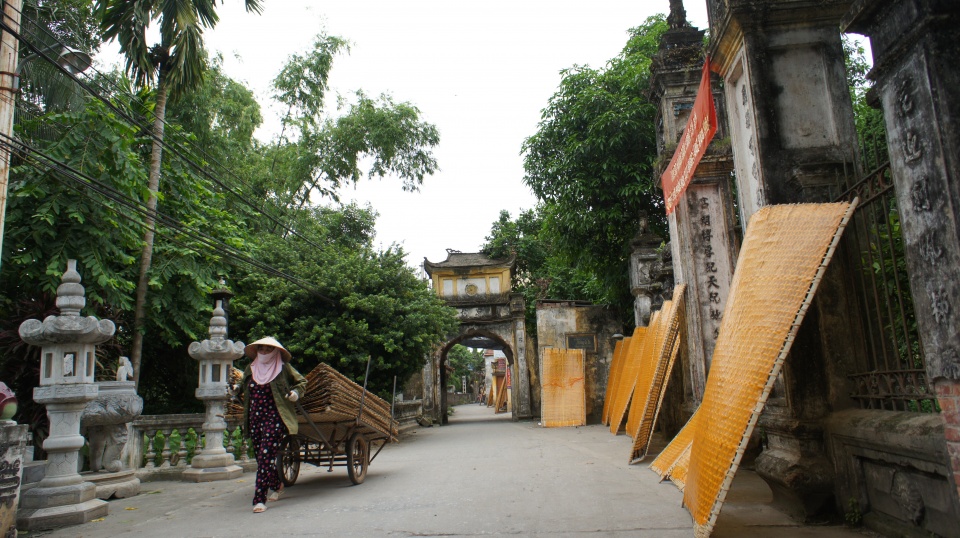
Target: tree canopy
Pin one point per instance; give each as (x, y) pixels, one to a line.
(467, 364)
(362, 303)
(258, 216)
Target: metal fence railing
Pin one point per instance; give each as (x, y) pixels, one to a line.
(894, 377)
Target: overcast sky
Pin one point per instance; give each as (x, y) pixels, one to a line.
(480, 71)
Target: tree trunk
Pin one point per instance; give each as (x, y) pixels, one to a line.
(146, 258)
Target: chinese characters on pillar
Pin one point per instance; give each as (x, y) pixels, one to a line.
(710, 284)
(10, 458)
(711, 258)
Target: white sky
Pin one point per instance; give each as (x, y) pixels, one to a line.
(480, 71)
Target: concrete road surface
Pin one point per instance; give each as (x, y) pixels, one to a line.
(481, 475)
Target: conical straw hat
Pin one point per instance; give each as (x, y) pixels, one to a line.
(251, 349)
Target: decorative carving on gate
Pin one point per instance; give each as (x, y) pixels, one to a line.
(939, 303)
(931, 248)
(920, 195)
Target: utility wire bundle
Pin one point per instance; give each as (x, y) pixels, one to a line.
(331, 397)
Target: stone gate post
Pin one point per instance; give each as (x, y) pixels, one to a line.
(915, 51)
(521, 381)
(13, 440)
(703, 236)
(644, 259)
(793, 137)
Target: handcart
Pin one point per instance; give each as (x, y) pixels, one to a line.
(334, 438)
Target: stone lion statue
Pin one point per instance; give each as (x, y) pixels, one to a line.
(124, 370)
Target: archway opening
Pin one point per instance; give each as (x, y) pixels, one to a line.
(483, 390)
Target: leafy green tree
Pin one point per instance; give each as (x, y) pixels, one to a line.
(325, 152)
(360, 303)
(467, 363)
(221, 116)
(590, 166)
(177, 65)
(53, 223)
(539, 272)
(72, 198)
(867, 116)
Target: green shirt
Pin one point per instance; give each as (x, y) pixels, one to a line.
(288, 379)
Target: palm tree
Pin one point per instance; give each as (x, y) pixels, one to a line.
(177, 65)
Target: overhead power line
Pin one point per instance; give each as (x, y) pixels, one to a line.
(174, 148)
(42, 160)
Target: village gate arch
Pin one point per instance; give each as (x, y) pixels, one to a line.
(479, 338)
(490, 317)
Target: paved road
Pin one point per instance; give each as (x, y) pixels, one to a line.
(481, 475)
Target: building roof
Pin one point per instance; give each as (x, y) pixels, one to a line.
(465, 260)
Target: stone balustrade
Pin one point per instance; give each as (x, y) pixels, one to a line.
(167, 444)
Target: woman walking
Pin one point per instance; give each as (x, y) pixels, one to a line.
(270, 388)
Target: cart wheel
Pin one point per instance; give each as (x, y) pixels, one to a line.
(288, 460)
(358, 458)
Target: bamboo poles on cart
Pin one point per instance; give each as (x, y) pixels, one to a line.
(332, 397)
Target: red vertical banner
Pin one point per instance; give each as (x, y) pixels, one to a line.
(701, 126)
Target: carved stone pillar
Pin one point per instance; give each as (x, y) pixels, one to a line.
(915, 51)
(644, 259)
(67, 366)
(13, 440)
(793, 136)
(428, 375)
(215, 355)
(521, 381)
(703, 237)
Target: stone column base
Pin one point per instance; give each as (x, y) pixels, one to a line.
(212, 467)
(794, 466)
(212, 474)
(119, 485)
(802, 486)
(49, 508)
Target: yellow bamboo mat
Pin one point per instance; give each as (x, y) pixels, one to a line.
(670, 457)
(628, 379)
(616, 368)
(651, 382)
(648, 363)
(678, 474)
(784, 255)
(563, 397)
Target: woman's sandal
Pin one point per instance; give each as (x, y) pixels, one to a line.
(259, 508)
(273, 496)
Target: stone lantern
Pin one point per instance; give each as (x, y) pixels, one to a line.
(216, 355)
(67, 363)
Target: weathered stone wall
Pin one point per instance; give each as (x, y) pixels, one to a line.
(572, 325)
(891, 468)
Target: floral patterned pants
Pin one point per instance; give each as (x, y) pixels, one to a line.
(266, 431)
